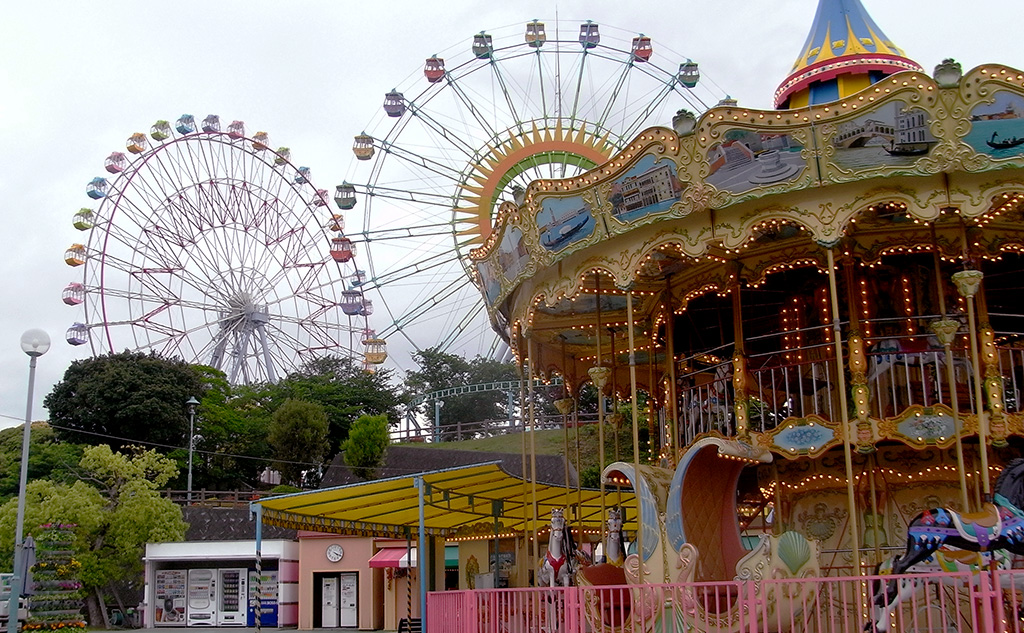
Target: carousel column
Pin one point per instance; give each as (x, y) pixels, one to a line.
(741, 395)
(673, 402)
(967, 282)
(636, 434)
(859, 390)
(843, 411)
(993, 377)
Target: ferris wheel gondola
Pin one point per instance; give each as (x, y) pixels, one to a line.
(208, 246)
(479, 125)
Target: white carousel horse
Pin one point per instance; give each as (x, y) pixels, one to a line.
(615, 545)
(560, 560)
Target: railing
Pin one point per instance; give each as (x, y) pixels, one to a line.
(213, 498)
(937, 602)
(802, 381)
(486, 428)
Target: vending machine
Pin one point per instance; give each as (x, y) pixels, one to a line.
(232, 596)
(202, 597)
(267, 596)
(169, 593)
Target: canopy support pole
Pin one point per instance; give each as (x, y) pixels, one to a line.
(421, 555)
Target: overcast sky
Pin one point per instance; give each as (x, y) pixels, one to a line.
(77, 78)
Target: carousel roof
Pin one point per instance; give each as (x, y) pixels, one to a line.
(463, 501)
(844, 40)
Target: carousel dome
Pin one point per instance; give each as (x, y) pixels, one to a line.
(845, 52)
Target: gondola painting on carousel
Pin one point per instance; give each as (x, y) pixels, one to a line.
(651, 186)
(997, 129)
(748, 159)
(892, 135)
(564, 221)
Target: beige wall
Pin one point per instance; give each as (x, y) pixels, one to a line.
(358, 550)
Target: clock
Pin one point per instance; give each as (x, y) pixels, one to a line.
(334, 553)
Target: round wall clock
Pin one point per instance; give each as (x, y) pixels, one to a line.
(334, 553)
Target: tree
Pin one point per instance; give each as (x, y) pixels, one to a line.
(117, 509)
(440, 370)
(344, 390)
(232, 424)
(298, 436)
(367, 442)
(47, 458)
(126, 398)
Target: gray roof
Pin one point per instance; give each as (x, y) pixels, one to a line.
(212, 523)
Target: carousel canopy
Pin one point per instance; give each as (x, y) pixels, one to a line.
(844, 52)
(476, 500)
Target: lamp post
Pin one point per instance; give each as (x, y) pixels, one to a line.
(191, 402)
(35, 343)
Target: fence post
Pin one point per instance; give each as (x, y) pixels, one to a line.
(750, 603)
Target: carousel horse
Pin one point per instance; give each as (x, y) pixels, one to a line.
(561, 559)
(999, 526)
(615, 544)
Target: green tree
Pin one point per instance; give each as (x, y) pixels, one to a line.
(298, 437)
(366, 445)
(117, 508)
(47, 458)
(440, 370)
(126, 398)
(345, 391)
(232, 424)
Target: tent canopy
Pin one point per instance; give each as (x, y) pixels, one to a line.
(475, 500)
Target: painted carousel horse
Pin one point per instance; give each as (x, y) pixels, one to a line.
(999, 526)
(562, 558)
(615, 544)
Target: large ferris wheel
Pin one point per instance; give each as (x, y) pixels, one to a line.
(208, 245)
(545, 101)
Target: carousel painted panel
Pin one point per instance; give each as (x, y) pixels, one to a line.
(997, 126)
(743, 159)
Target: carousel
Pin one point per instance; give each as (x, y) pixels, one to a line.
(812, 320)
(821, 307)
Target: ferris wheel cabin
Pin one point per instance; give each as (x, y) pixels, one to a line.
(137, 143)
(590, 34)
(342, 249)
(535, 34)
(161, 130)
(186, 124)
(83, 220)
(345, 196)
(74, 294)
(77, 334)
(362, 146)
(236, 129)
(483, 45)
(97, 188)
(433, 69)
(115, 163)
(394, 104)
(642, 48)
(211, 123)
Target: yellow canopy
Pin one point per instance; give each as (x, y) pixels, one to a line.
(475, 500)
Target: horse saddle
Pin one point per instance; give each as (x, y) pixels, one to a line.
(987, 517)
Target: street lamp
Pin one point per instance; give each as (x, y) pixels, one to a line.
(35, 343)
(191, 402)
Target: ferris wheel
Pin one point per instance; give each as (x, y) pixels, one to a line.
(209, 246)
(473, 130)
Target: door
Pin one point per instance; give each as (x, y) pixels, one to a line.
(349, 600)
(329, 608)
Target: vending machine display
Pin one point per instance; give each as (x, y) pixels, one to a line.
(232, 595)
(170, 597)
(202, 597)
(266, 588)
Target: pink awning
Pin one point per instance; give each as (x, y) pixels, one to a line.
(388, 557)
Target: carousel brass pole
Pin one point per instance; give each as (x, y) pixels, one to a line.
(843, 412)
(636, 434)
(523, 377)
(531, 355)
(967, 282)
(599, 375)
(670, 358)
(652, 423)
(872, 463)
(945, 330)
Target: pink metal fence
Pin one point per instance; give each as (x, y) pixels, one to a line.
(928, 603)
